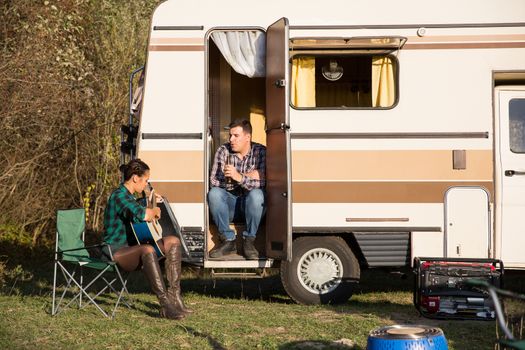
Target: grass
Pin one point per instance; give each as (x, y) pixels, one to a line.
(229, 314)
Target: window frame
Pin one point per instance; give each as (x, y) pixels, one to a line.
(509, 120)
(343, 53)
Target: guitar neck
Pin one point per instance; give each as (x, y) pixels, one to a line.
(152, 201)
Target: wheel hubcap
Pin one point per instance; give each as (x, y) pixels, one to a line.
(320, 271)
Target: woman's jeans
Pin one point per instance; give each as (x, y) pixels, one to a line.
(226, 207)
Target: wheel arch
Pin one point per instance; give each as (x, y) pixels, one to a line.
(348, 237)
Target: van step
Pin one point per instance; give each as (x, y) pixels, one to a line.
(230, 274)
(236, 257)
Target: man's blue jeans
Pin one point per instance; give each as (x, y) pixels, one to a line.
(226, 207)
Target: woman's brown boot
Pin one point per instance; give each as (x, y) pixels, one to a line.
(151, 268)
(173, 273)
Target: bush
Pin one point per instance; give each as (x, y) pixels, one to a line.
(63, 87)
(11, 278)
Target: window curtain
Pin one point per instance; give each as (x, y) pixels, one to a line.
(303, 82)
(245, 51)
(383, 86)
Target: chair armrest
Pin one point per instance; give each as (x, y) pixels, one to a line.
(88, 247)
(96, 245)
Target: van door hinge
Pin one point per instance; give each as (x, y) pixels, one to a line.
(280, 83)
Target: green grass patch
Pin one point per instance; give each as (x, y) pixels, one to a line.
(229, 314)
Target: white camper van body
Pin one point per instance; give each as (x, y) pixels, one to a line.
(424, 176)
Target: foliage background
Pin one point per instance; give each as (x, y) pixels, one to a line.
(64, 67)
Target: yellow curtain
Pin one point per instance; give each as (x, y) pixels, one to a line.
(383, 87)
(303, 82)
(258, 121)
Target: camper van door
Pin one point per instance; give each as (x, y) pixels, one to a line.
(278, 177)
(511, 171)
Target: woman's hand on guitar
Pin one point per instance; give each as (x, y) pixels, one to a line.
(159, 198)
(152, 214)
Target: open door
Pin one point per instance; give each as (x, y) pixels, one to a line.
(278, 176)
(510, 165)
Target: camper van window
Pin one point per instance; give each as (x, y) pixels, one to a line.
(351, 81)
(517, 125)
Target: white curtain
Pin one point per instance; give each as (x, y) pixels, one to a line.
(245, 51)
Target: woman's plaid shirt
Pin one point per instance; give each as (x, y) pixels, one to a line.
(254, 160)
(122, 210)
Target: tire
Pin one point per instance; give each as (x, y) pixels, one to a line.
(323, 270)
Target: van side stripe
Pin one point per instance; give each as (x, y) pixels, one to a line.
(390, 165)
(176, 48)
(339, 192)
(392, 135)
(175, 165)
(340, 165)
(180, 192)
(489, 45)
(377, 192)
(176, 41)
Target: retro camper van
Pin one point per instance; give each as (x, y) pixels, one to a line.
(392, 131)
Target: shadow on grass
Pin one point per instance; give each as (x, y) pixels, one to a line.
(215, 345)
(263, 289)
(37, 263)
(318, 345)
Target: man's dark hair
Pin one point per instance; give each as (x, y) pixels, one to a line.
(245, 124)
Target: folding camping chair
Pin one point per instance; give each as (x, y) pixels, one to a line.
(510, 314)
(73, 258)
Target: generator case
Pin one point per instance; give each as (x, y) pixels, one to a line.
(441, 288)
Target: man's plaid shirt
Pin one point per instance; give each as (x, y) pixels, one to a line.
(254, 160)
(122, 210)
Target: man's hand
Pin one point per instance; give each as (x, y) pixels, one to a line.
(231, 172)
(254, 174)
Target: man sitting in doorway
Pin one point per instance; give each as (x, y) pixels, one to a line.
(237, 189)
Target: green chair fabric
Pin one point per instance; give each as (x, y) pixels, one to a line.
(72, 259)
(513, 344)
(70, 227)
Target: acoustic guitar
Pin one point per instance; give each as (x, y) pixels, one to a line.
(149, 232)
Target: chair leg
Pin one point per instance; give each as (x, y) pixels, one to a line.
(81, 284)
(84, 291)
(67, 280)
(70, 281)
(53, 311)
(119, 299)
(117, 293)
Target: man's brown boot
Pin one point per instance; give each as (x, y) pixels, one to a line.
(224, 248)
(250, 252)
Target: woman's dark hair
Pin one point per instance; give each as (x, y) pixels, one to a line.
(134, 167)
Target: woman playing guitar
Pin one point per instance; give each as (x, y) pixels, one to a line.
(122, 210)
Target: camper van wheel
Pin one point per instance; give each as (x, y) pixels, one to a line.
(323, 270)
